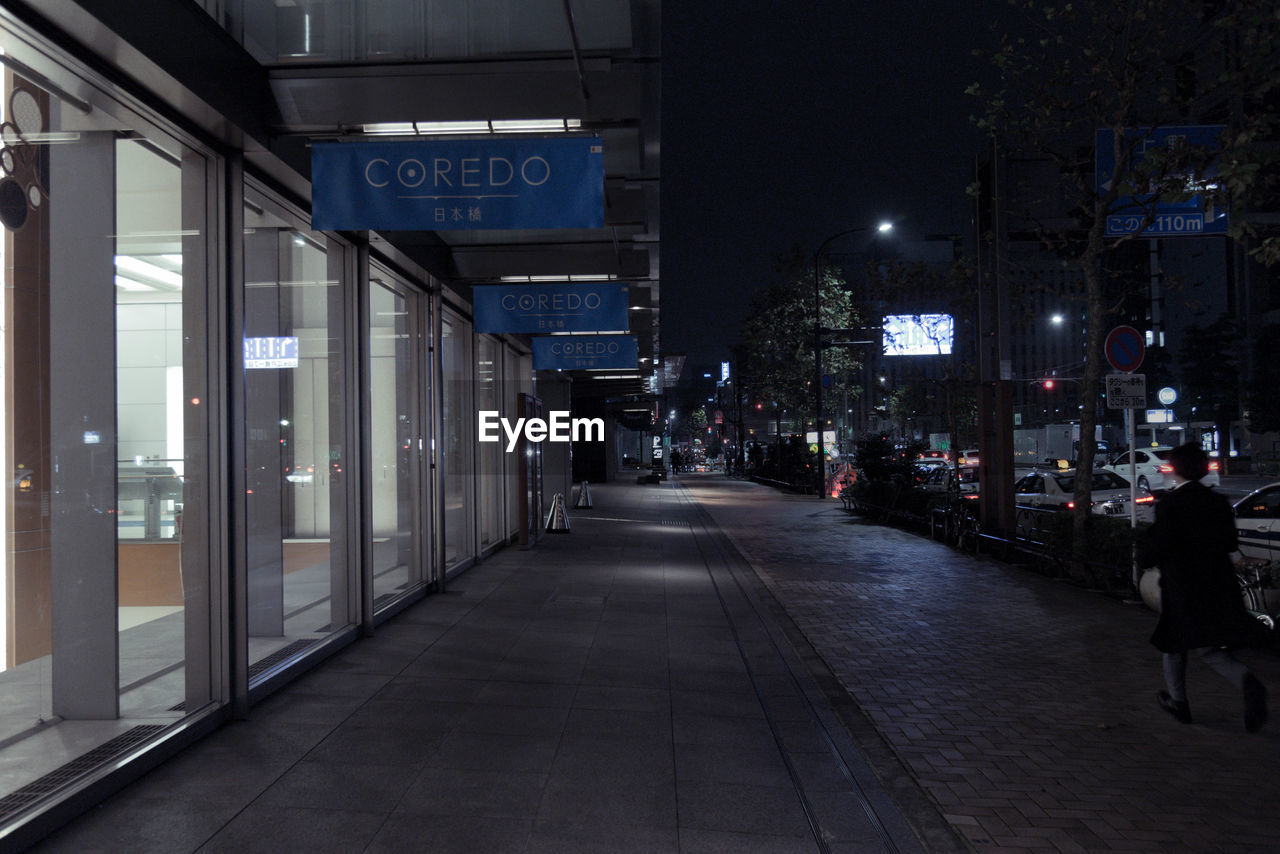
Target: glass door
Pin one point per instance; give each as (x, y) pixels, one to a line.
(297, 512)
(397, 394)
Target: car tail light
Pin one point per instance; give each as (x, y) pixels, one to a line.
(1146, 499)
(1213, 465)
(1071, 505)
(1165, 468)
(972, 496)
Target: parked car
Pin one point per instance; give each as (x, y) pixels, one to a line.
(1258, 523)
(945, 479)
(1056, 490)
(1152, 468)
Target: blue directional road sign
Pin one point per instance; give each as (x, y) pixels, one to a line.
(1188, 218)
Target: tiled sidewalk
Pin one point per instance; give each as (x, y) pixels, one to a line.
(615, 689)
(1024, 706)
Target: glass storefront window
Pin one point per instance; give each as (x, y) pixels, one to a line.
(397, 391)
(491, 454)
(297, 456)
(104, 345)
(458, 440)
(518, 372)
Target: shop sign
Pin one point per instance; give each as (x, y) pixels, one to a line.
(556, 307)
(449, 185)
(585, 352)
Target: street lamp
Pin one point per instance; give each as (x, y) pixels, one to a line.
(817, 343)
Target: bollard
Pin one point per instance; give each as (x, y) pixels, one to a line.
(584, 498)
(558, 518)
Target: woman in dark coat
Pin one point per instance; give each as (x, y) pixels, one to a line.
(1193, 541)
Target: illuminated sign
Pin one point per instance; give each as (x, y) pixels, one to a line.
(554, 307)
(918, 334)
(449, 185)
(262, 353)
(585, 352)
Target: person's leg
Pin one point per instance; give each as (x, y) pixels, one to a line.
(1174, 700)
(1175, 675)
(1225, 664)
(1238, 673)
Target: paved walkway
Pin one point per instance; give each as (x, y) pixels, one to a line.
(626, 688)
(1025, 707)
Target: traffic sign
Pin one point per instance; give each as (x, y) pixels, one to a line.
(1193, 216)
(1125, 348)
(1126, 391)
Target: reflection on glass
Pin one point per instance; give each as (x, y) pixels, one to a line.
(518, 378)
(393, 442)
(104, 615)
(489, 399)
(150, 440)
(296, 455)
(458, 441)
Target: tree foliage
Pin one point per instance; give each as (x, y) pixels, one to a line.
(779, 339)
(1063, 70)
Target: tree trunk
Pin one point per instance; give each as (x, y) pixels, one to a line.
(1091, 383)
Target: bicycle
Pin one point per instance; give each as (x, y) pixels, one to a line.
(1256, 576)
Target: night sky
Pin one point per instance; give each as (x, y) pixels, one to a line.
(786, 123)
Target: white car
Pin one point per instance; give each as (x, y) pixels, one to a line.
(1055, 490)
(1153, 470)
(1258, 523)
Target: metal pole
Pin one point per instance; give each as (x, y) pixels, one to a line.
(817, 350)
(817, 368)
(1131, 419)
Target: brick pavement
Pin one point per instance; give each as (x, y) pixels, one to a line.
(1023, 706)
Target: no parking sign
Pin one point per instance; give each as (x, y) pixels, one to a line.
(1125, 348)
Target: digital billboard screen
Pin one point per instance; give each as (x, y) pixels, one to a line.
(918, 334)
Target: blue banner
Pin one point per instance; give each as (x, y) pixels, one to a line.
(585, 352)
(555, 307)
(446, 185)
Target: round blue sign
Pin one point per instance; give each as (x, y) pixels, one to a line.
(1125, 348)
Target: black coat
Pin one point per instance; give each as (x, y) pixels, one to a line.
(1200, 599)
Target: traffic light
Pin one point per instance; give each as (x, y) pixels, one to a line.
(1049, 383)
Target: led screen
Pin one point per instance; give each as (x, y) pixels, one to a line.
(260, 353)
(918, 334)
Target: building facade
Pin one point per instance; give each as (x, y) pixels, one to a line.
(237, 443)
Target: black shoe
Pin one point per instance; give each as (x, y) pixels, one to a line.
(1180, 709)
(1255, 704)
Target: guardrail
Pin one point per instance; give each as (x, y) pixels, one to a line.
(1037, 540)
